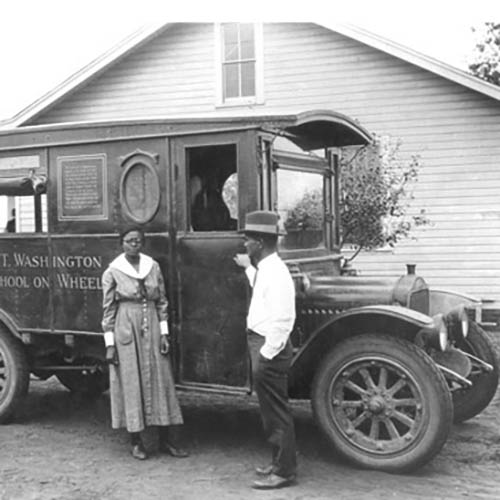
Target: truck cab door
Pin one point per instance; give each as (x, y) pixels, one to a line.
(215, 183)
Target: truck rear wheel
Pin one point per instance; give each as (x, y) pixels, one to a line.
(469, 402)
(14, 374)
(382, 403)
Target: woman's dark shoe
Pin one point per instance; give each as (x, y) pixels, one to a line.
(172, 450)
(139, 452)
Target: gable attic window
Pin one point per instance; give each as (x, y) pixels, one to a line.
(239, 63)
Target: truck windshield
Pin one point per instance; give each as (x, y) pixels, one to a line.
(301, 205)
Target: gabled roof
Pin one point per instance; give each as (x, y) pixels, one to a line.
(149, 32)
(418, 59)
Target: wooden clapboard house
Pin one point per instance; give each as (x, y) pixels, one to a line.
(447, 117)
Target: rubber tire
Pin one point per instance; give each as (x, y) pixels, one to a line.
(15, 377)
(87, 384)
(437, 408)
(470, 402)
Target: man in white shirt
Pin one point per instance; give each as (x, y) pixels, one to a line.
(270, 319)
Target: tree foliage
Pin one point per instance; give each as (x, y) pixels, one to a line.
(485, 59)
(376, 190)
(307, 214)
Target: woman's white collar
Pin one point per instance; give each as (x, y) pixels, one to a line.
(122, 264)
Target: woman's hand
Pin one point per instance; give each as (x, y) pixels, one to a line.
(111, 355)
(164, 345)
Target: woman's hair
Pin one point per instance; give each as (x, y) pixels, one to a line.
(129, 230)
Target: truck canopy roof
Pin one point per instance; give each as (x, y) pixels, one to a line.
(309, 130)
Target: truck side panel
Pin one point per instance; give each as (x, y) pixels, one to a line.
(24, 281)
(76, 280)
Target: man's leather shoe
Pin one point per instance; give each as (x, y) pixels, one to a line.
(266, 470)
(172, 450)
(273, 481)
(139, 452)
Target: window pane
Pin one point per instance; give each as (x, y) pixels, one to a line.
(231, 81)
(238, 46)
(231, 52)
(247, 50)
(246, 31)
(230, 41)
(24, 214)
(248, 79)
(301, 209)
(247, 41)
(230, 32)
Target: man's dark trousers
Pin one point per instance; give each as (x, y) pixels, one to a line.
(271, 385)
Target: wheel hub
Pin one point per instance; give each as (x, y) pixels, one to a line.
(376, 405)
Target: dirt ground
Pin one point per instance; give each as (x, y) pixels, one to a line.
(62, 447)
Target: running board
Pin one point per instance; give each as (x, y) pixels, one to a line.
(212, 388)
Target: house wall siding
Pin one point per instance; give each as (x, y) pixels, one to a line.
(172, 75)
(454, 130)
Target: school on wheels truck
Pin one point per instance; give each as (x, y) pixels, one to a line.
(388, 364)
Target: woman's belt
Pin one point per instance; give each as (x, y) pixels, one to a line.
(134, 301)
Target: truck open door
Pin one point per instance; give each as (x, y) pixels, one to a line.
(212, 295)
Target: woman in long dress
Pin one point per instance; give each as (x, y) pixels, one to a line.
(142, 389)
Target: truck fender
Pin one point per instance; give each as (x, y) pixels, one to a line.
(388, 319)
(442, 301)
(9, 324)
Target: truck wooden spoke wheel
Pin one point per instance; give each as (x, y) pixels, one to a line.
(382, 403)
(14, 374)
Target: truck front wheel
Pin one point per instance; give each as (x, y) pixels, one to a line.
(14, 374)
(468, 403)
(382, 403)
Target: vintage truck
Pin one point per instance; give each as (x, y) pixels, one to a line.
(388, 364)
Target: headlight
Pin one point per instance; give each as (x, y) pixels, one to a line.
(442, 329)
(465, 325)
(435, 336)
(457, 321)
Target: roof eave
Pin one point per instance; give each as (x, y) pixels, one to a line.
(418, 59)
(95, 67)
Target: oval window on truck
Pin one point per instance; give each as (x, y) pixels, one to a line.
(140, 187)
